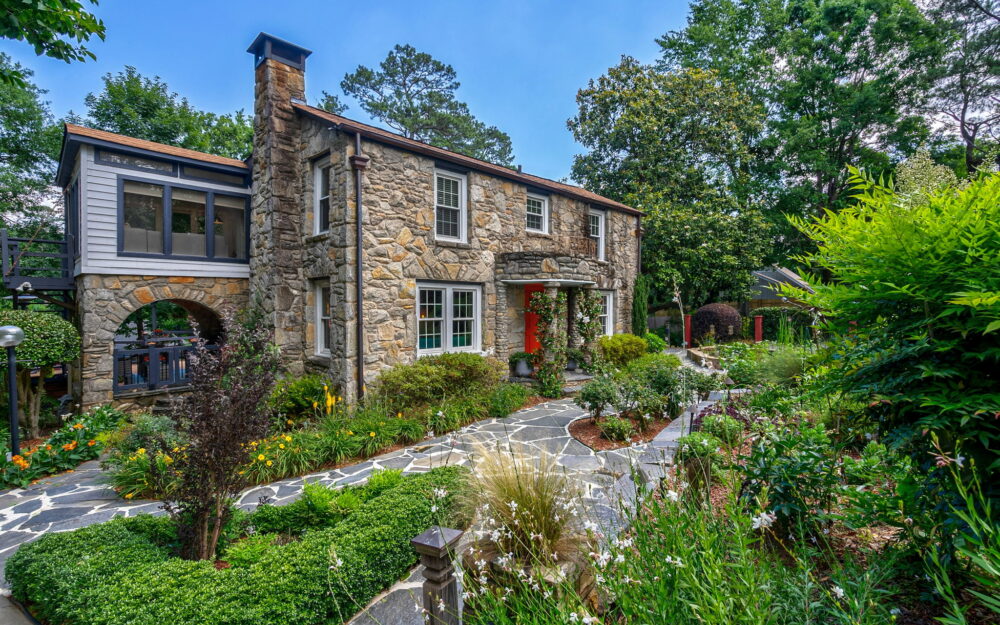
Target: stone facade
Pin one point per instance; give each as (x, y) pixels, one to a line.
(105, 301)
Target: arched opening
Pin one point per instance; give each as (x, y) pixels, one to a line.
(153, 343)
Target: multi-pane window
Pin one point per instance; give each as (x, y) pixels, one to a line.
(321, 202)
(449, 208)
(173, 220)
(323, 319)
(538, 214)
(607, 315)
(596, 230)
(448, 318)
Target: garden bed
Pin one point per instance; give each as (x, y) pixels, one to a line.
(588, 432)
(313, 561)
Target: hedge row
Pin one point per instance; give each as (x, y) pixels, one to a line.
(123, 572)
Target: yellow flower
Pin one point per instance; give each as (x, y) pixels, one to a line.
(399, 415)
(140, 451)
(269, 463)
(260, 457)
(350, 433)
(281, 446)
(288, 438)
(372, 434)
(290, 422)
(77, 426)
(128, 495)
(167, 459)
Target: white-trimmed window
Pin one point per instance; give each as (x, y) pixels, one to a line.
(321, 197)
(607, 315)
(596, 229)
(324, 321)
(449, 206)
(448, 318)
(537, 210)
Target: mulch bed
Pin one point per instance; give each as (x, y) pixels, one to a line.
(587, 432)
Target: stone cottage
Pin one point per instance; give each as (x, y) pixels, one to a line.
(364, 248)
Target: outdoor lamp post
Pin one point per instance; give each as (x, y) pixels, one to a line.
(11, 337)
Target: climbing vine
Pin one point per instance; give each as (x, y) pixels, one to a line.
(550, 360)
(588, 322)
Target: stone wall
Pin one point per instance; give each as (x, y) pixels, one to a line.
(400, 249)
(104, 302)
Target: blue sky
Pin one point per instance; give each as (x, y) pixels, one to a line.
(520, 63)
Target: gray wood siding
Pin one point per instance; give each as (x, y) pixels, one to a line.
(99, 229)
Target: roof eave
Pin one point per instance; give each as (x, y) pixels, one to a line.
(460, 159)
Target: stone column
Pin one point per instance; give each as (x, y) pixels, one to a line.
(440, 591)
(502, 334)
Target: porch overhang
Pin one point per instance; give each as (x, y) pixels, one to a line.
(557, 282)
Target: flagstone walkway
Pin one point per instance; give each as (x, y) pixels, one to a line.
(79, 498)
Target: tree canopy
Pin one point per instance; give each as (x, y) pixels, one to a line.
(29, 144)
(415, 94)
(146, 108)
(55, 28)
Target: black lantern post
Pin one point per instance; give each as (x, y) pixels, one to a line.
(11, 337)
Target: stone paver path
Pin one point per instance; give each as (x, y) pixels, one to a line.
(80, 498)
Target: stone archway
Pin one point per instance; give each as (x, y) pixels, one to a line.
(105, 302)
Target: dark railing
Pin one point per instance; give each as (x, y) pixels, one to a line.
(43, 263)
(153, 363)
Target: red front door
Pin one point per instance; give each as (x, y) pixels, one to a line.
(531, 344)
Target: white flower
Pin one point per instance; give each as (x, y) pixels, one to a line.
(960, 460)
(573, 618)
(440, 605)
(763, 520)
(895, 612)
(434, 508)
(673, 495)
(440, 493)
(838, 592)
(620, 558)
(590, 526)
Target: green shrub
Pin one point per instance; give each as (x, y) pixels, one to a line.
(621, 349)
(505, 399)
(725, 428)
(783, 365)
(742, 361)
(428, 380)
(654, 344)
(296, 398)
(697, 445)
(122, 572)
(597, 395)
(615, 428)
(381, 481)
(250, 550)
(797, 469)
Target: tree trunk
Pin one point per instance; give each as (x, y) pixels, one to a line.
(29, 402)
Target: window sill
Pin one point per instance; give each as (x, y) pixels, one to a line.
(452, 243)
(538, 233)
(320, 359)
(319, 236)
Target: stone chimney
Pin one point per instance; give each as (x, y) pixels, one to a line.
(276, 229)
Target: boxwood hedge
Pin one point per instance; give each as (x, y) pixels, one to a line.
(124, 572)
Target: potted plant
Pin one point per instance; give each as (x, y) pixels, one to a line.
(575, 358)
(520, 362)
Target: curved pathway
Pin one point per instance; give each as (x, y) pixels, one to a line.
(79, 498)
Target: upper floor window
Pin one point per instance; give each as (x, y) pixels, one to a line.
(607, 315)
(130, 161)
(449, 210)
(323, 318)
(596, 230)
(538, 214)
(448, 318)
(173, 220)
(321, 198)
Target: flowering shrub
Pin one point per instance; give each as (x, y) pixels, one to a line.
(77, 441)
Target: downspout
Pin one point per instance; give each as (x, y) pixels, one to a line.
(359, 161)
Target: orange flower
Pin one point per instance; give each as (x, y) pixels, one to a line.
(91, 443)
(77, 426)
(48, 448)
(20, 462)
(70, 446)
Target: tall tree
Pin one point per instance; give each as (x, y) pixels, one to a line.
(414, 94)
(966, 93)
(29, 145)
(56, 28)
(838, 79)
(142, 107)
(676, 144)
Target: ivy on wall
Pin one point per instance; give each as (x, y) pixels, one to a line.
(588, 322)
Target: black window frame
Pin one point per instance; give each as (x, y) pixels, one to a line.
(168, 186)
